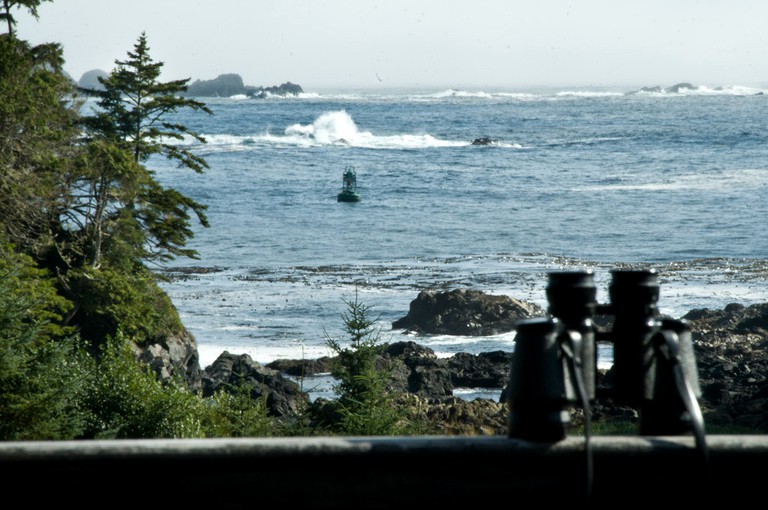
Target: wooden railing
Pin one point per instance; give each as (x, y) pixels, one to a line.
(385, 472)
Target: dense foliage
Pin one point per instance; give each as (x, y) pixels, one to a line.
(81, 219)
(81, 216)
(365, 405)
(76, 194)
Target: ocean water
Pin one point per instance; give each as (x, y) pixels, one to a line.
(576, 179)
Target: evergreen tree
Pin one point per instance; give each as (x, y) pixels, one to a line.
(82, 203)
(134, 106)
(7, 17)
(38, 395)
(132, 116)
(38, 135)
(78, 217)
(365, 405)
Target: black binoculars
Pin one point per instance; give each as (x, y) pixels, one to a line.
(554, 364)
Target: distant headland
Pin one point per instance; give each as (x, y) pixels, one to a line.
(225, 85)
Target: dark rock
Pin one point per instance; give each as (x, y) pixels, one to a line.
(429, 377)
(416, 369)
(285, 89)
(680, 86)
(284, 397)
(227, 85)
(302, 367)
(484, 370)
(465, 312)
(409, 350)
(484, 141)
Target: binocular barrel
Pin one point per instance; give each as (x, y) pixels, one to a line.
(633, 294)
(540, 390)
(554, 365)
(572, 297)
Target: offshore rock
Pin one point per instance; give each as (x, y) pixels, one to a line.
(90, 79)
(465, 312)
(284, 89)
(674, 89)
(224, 85)
(730, 346)
(485, 141)
(227, 85)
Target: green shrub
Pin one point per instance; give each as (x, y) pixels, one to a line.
(235, 414)
(365, 405)
(133, 304)
(38, 395)
(124, 399)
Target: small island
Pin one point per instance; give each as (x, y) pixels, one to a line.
(225, 85)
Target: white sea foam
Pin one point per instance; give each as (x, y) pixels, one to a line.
(282, 252)
(338, 128)
(588, 93)
(262, 353)
(728, 179)
(702, 90)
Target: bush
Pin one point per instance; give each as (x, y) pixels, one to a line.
(365, 405)
(235, 414)
(124, 399)
(132, 303)
(38, 395)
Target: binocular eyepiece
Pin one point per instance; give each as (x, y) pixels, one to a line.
(554, 364)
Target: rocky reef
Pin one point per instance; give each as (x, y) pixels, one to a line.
(224, 85)
(227, 85)
(730, 346)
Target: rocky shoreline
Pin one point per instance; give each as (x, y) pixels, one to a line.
(730, 346)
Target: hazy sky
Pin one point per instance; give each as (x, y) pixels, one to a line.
(435, 43)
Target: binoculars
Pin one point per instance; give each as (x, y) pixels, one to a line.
(555, 359)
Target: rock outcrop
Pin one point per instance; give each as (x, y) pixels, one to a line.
(90, 79)
(465, 312)
(284, 89)
(674, 89)
(485, 141)
(224, 85)
(730, 346)
(227, 85)
(171, 356)
(283, 397)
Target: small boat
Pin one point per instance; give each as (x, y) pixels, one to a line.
(348, 191)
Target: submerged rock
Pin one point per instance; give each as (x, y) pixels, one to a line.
(484, 141)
